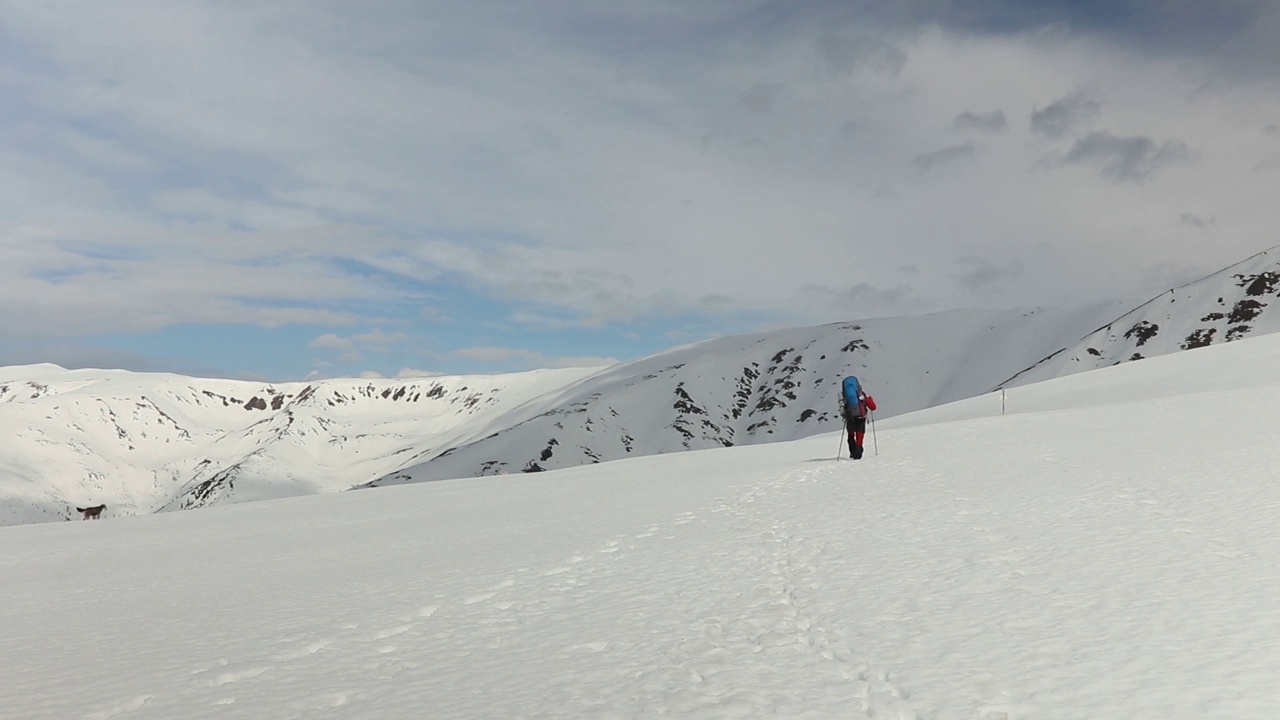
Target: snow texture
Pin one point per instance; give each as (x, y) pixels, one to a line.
(1107, 548)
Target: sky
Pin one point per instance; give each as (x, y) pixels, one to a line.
(315, 189)
(1057, 561)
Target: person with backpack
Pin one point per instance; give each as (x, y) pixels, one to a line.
(854, 406)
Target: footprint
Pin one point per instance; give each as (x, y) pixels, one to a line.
(594, 647)
(310, 648)
(231, 676)
(390, 632)
(120, 708)
(572, 560)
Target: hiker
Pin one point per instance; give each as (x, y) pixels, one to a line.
(854, 404)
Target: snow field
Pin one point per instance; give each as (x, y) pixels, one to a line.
(1114, 558)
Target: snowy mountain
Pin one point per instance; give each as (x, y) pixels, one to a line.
(1056, 562)
(144, 443)
(147, 442)
(766, 387)
(1230, 304)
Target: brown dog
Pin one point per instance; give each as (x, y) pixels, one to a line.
(92, 513)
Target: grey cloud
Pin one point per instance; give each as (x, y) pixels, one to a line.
(1126, 159)
(845, 56)
(1271, 129)
(850, 129)
(1205, 93)
(1063, 116)
(860, 300)
(993, 121)
(1270, 162)
(1196, 221)
(1187, 26)
(928, 161)
(714, 301)
(985, 274)
(761, 97)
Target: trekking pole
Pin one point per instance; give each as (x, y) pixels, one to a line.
(843, 432)
(875, 443)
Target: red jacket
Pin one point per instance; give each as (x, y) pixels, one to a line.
(865, 403)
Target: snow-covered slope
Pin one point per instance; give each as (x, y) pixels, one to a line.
(766, 387)
(142, 442)
(147, 442)
(1233, 303)
(1063, 561)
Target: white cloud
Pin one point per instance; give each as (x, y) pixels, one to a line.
(590, 183)
(408, 372)
(529, 358)
(330, 341)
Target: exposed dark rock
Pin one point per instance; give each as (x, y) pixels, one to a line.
(682, 426)
(1144, 331)
(1199, 338)
(1245, 310)
(225, 400)
(743, 394)
(1264, 283)
(1236, 332)
(202, 493)
(685, 403)
(256, 403)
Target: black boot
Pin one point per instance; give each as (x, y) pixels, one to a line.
(857, 452)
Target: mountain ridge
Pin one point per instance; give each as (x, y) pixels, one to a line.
(159, 442)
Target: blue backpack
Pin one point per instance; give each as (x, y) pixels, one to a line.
(851, 405)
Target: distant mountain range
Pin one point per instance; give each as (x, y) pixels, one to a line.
(145, 443)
